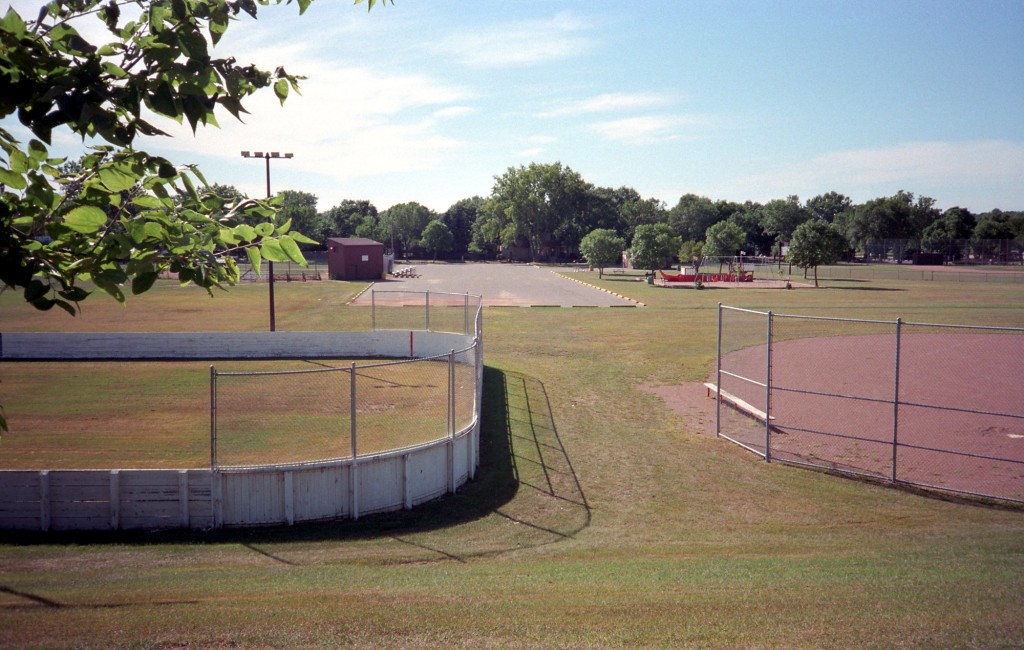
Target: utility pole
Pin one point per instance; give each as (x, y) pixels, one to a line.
(267, 155)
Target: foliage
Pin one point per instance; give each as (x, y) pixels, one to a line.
(602, 247)
(692, 252)
(653, 247)
(815, 242)
(343, 219)
(828, 206)
(724, 239)
(692, 215)
(437, 238)
(459, 218)
(896, 217)
(955, 224)
(404, 224)
(124, 216)
(779, 218)
(540, 206)
(300, 209)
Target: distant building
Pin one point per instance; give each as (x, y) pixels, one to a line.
(354, 258)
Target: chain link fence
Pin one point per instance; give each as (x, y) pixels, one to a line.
(931, 405)
(348, 409)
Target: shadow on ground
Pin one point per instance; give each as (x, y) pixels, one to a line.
(526, 493)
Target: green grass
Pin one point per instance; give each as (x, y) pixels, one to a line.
(599, 518)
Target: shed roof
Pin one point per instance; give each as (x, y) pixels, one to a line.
(354, 241)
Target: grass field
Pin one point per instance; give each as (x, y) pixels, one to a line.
(599, 518)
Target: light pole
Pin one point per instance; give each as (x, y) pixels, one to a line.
(267, 155)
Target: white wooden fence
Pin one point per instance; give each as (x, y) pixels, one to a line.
(116, 499)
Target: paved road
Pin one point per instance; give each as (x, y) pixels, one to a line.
(501, 285)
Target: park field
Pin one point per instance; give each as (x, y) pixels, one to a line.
(599, 517)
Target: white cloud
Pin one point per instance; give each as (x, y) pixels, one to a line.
(910, 165)
(454, 111)
(530, 153)
(648, 129)
(519, 43)
(606, 102)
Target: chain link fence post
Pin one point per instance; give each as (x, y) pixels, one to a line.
(896, 402)
(213, 418)
(768, 394)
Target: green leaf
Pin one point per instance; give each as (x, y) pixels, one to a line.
(285, 227)
(302, 239)
(13, 23)
(281, 90)
(86, 219)
(265, 229)
(115, 179)
(143, 282)
(12, 180)
(271, 249)
(255, 259)
(246, 232)
(37, 150)
(291, 249)
(150, 202)
(19, 161)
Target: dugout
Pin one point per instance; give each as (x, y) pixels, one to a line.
(354, 258)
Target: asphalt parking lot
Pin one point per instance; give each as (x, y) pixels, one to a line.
(500, 284)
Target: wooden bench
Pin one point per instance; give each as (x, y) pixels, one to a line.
(737, 403)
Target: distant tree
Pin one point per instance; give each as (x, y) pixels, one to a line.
(724, 239)
(343, 219)
(640, 212)
(437, 238)
(404, 224)
(300, 209)
(692, 215)
(941, 236)
(487, 233)
(653, 247)
(898, 218)
(779, 218)
(692, 252)
(815, 242)
(460, 218)
(748, 217)
(828, 206)
(602, 248)
(545, 205)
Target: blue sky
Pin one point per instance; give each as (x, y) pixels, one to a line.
(429, 100)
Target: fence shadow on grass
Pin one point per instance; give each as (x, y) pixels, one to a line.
(526, 481)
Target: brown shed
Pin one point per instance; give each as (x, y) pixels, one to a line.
(354, 258)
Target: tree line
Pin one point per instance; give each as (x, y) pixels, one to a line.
(545, 212)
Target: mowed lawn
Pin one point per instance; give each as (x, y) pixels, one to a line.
(599, 519)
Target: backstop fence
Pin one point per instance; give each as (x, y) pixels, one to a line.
(936, 406)
(347, 410)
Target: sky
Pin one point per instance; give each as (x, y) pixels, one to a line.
(430, 100)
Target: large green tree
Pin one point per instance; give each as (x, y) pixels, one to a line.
(653, 247)
(131, 215)
(300, 209)
(779, 218)
(544, 205)
(404, 224)
(692, 215)
(724, 240)
(437, 239)
(343, 219)
(459, 218)
(602, 247)
(815, 242)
